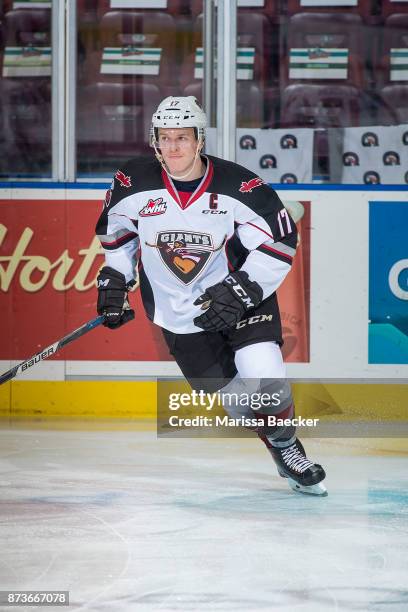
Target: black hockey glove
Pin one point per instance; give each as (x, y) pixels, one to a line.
(113, 298)
(226, 302)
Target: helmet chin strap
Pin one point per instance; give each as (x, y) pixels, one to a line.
(164, 166)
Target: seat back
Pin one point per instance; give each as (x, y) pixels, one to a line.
(249, 102)
(172, 7)
(393, 65)
(320, 106)
(324, 49)
(133, 47)
(114, 119)
(390, 7)
(395, 105)
(361, 7)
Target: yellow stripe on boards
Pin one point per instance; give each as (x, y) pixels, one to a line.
(96, 399)
(137, 399)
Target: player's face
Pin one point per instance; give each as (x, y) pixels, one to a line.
(178, 147)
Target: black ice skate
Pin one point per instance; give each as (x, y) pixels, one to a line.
(303, 475)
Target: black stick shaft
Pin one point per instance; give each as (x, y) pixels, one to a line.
(51, 350)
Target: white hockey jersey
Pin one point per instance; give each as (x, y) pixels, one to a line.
(232, 221)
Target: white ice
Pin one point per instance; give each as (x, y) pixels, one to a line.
(128, 522)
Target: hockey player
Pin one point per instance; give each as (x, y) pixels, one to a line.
(213, 243)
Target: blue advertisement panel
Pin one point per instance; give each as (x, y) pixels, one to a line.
(388, 283)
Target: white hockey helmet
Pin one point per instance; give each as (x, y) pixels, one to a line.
(178, 112)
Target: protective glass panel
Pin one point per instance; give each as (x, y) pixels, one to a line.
(25, 89)
(131, 55)
(322, 91)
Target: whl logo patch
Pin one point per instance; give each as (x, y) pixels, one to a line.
(185, 254)
(248, 186)
(153, 208)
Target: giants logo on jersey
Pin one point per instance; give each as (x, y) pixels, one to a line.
(248, 186)
(185, 254)
(153, 208)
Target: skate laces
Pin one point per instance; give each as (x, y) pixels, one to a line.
(295, 459)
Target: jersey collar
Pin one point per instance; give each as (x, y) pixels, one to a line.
(206, 180)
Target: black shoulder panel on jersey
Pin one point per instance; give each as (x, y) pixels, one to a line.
(243, 185)
(138, 174)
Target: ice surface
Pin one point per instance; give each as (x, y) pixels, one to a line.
(127, 522)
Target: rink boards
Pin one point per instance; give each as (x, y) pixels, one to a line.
(352, 270)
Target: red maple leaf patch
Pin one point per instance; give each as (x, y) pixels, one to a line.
(123, 179)
(248, 186)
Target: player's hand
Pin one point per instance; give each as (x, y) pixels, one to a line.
(226, 302)
(113, 298)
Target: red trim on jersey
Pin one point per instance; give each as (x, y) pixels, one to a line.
(203, 187)
(197, 194)
(289, 257)
(260, 229)
(126, 237)
(184, 197)
(169, 186)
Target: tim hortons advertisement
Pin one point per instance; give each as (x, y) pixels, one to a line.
(49, 260)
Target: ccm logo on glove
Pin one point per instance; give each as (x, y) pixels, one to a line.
(240, 291)
(226, 302)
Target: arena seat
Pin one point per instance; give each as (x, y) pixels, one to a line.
(320, 106)
(250, 102)
(256, 58)
(87, 10)
(390, 7)
(394, 110)
(362, 8)
(272, 107)
(88, 31)
(28, 27)
(27, 45)
(134, 47)
(270, 8)
(114, 120)
(25, 120)
(10, 5)
(390, 68)
(2, 38)
(26, 106)
(172, 7)
(325, 49)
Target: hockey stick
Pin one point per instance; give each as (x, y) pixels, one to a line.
(53, 348)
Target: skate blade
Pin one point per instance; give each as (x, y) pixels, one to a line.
(317, 489)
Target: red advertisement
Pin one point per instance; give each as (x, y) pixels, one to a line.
(294, 293)
(49, 260)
